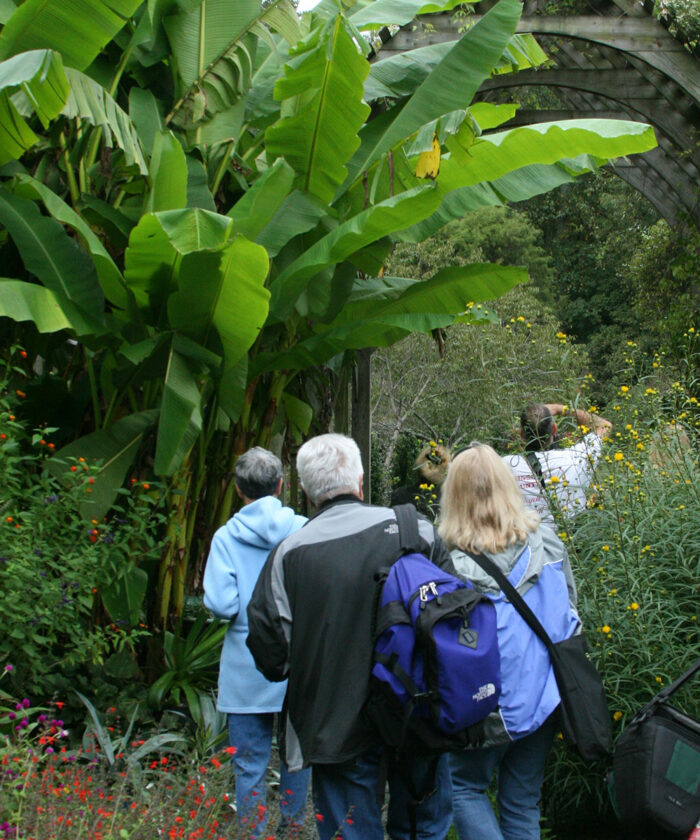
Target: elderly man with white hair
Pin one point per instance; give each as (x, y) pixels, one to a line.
(310, 620)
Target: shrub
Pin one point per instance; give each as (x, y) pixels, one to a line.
(71, 588)
(636, 557)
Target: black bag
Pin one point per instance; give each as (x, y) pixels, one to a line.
(583, 711)
(655, 780)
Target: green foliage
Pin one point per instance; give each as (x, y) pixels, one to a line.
(634, 554)
(682, 17)
(58, 568)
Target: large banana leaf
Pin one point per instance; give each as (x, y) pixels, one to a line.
(359, 231)
(168, 175)
(78, 29)
(115, 449)
(156, 247)
(180, 416)
(395, 12)
(50, 254)
(451, 85)
(252, 212)
(28, 302)
(88, 100)
(489, 157)
(109, 275)
(519, 185)
(39, 74)
(379, 317)
(322, 133)
(399, 75)
(213, 290)
(214, 45)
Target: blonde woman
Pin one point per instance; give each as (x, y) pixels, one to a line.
(482, 511)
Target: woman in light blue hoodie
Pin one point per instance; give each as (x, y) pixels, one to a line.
(238, 552)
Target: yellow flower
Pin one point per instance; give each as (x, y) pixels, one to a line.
(634, 606)
(561, 335)
(606, 548)
(619, 456)
(617, 715)
(613, 591)
(659, 680)
(628, 427)
(554, 479)
(521, 319)
(624, 389)
(606, 629)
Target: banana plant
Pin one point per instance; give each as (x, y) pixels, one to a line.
(202, 195)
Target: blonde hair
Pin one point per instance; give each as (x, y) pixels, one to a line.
(482, 508)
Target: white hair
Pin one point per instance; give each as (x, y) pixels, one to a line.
(329, 465)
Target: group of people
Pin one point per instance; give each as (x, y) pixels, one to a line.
(300, 596)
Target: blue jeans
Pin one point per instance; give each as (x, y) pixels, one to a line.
(520, 770)
(251, 735)
(345, 798)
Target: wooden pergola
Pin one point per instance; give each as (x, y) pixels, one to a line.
(617, 62)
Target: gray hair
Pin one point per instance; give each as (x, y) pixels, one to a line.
(329, 465)
(257, 473)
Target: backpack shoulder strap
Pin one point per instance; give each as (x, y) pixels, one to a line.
(409, 536)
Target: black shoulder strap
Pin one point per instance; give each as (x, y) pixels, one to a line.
(536, 467)
(409, 536)
(665, 693)
(514, 597)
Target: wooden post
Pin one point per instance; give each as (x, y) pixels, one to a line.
(361, 422)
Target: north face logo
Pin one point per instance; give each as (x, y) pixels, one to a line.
(484, 692)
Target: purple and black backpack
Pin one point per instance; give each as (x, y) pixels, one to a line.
(436, 672)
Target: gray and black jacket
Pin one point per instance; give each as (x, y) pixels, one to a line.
(310, 620)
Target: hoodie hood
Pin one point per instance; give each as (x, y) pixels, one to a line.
(263, 523)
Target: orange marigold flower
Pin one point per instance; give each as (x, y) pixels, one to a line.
(20, 394)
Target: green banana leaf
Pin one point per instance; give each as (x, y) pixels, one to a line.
(147, 114)
(50, 254)
(399, 75)
(29, 302)
(168, 175)
(395, 12)
(253, 211)
(180, 420)
(213, 47)
(40, 76)
(213, 289)
(378, 317)
(89, 101)
(115, 449)
(156, 247)
(359, 231)
(124, 595)
(322, 133)
(451, 85)
(78, 29)
(110, 277)
(489, 157)
(515, 186)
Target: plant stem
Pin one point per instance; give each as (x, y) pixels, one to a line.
(93, 390)
(70, 175)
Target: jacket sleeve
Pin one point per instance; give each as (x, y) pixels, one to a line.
(270, 620)
(220, 581)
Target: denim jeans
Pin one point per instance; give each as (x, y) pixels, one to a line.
(251, 735)
(520, 770)
(345, 798)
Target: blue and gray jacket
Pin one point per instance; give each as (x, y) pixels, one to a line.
(539, 569)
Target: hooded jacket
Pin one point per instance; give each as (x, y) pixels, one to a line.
(238, 553)
(539, 569)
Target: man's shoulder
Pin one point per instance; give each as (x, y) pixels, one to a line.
(344, 520)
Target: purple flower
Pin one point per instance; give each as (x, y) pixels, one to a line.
(49, 500)
(42, 718)
(12, 716)
(9, 668)
(38, 553)
(26, 703)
